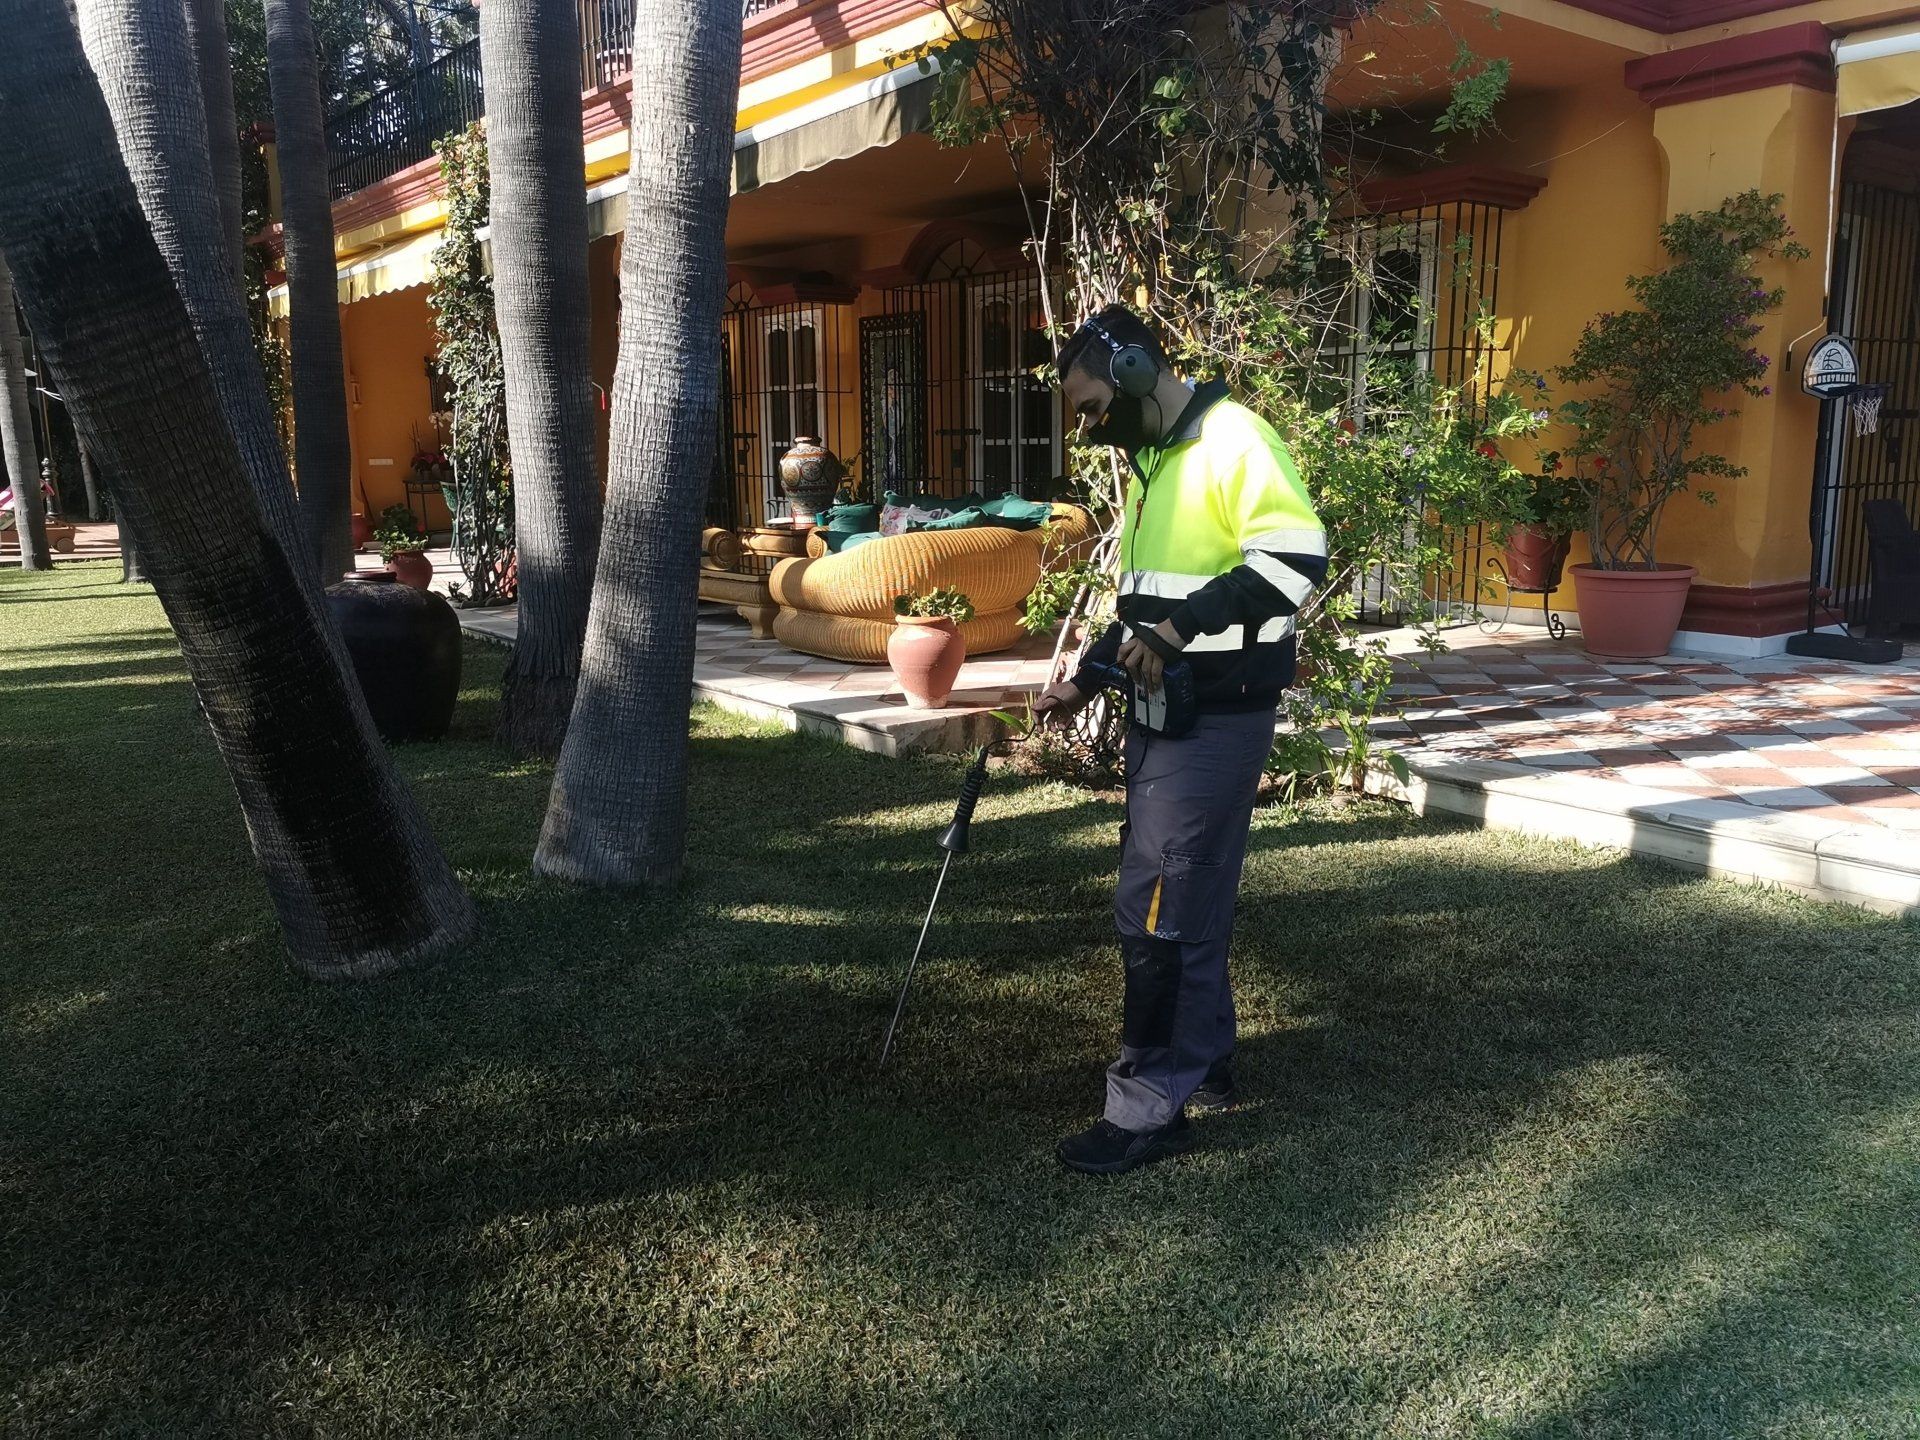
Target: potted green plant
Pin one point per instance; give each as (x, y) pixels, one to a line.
(1659, 375)
(1554, 507)
(926, 649)
(403, 543)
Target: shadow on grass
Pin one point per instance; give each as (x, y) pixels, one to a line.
(1543, 1141)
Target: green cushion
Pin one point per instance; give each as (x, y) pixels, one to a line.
(848, 542)
(849, 519)
(1016, 513)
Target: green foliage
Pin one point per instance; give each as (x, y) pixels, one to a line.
(1395, 495)
(1556, 499)
(941, 601)
(470, 364)
(1666, 370)
(1479, 85)
(1055, 595)
(397, 532)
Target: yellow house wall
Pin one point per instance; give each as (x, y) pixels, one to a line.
(386, 341)
(1777, 140)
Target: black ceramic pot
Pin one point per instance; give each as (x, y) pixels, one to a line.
(405, 647)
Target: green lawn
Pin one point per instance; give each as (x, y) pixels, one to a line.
(1546, 1142)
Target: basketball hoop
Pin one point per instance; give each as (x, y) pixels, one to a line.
(1864, 401)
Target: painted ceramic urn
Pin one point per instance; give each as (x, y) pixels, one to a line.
(810, 473)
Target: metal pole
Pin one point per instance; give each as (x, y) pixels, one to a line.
(900, 1005)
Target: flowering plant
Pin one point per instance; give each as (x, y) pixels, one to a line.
(1666, 370)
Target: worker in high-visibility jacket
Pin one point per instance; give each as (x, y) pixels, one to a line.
(1219, 548)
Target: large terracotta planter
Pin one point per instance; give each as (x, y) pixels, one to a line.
(1631, 614)
(413, 568)
(926, 655)
(1534, 557)
(405, 647)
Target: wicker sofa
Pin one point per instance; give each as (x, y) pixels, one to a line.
(841, 605)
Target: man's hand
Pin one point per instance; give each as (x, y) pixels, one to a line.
(1058, 703)
(1144, 664)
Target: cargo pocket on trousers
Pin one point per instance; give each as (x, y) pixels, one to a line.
(1153, 990)
(1193, 899)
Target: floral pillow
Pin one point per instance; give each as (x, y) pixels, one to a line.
(899, 516)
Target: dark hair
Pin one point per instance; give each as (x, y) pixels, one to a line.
(1086, 351)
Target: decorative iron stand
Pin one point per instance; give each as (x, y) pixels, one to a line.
(1556, 627)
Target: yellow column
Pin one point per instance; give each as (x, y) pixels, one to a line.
(1776, 140)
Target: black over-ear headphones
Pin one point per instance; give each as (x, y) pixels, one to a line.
(1130, 368)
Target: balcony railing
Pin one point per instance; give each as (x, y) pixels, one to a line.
(386, 133)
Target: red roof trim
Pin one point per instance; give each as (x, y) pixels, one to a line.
(1670, 17)
(1451, 185)
(1792, 55)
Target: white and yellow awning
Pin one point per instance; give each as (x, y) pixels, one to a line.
(1877, 69)
(399, 266)
(859, 116)
(862, 116)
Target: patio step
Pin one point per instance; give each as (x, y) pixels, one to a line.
(1861, 865)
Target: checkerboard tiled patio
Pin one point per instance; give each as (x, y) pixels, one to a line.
(1824, 740)
(1799, 773)
(859, 704)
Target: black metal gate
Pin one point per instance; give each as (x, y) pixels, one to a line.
(1418, 292)
(1876, 303)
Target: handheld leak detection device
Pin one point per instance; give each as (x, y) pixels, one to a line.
(953, 843)
(1170, 711)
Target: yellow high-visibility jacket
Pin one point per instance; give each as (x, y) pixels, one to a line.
(1220, 538)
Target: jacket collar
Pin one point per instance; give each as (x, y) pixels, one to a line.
(1186, 425)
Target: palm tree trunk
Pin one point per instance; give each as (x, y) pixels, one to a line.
(16, 438)
(530, 58)
(322, 452)
(213, 65)
(618, 811)
(357, 881)
(92, 482)
(143, 56)
(132, 572)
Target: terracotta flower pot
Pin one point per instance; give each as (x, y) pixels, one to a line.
(413, 568)
(1534, 557)
(926, 655)
(1630, 614)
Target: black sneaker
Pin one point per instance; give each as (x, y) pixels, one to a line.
(1217, 1091)
(1103, 1148)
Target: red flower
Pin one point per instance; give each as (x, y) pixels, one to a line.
(1489, 449)
(1348, 426)
(1600, 464)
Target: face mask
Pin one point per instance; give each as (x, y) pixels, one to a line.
(1125, 425)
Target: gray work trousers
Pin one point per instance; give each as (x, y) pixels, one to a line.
(1189, 803)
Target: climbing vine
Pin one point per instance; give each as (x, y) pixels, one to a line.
(474, 379)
